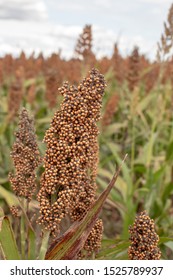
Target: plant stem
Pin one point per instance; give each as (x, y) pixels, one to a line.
(25, 214)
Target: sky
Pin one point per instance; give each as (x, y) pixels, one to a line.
(53, 25)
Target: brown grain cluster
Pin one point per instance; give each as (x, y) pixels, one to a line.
(25, 157)
(93, 242)
(133, 70)
(110, 109)
(68, 183)
(144, 240)
(166, 41)
(31, 93)
(151, 77)
(117, 63)
(83, 49)
(14, 211)
(51, 88)
(15, 94)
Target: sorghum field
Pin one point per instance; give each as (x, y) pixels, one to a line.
(86, 166)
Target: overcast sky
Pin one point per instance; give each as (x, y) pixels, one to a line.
(50, 25)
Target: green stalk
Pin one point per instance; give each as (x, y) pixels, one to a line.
(150, 148)
(22, 237)
(44, 245)
(132, 149)
(25, 214)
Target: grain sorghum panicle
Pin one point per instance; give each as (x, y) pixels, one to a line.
(84, 43)
(83, 49)
(165, 44)
(110, 110)
(31, 93)
(133, 71)
(117, 64)
(93, 242)
(25, 155)
(144, 240)
(15, 94)
(68, 183)
(51, 88)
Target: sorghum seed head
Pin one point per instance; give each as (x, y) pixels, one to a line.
(26, 158)
(68, 182)
(144, 239)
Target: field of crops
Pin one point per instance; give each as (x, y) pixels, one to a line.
(135, 97)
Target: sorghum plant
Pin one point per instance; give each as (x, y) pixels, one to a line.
(25, 155)
(117, 63)
(15, 94)
(83, 49)
(51, 88)
(144, 240)
(166, 41)
(133, 71)
(68, 185)
(110, 109)
(31, 93)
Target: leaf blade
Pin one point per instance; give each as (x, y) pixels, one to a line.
(7, 240)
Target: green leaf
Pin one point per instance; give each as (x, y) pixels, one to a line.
(31, 245)
(125, 169)
(169, 244)
(44, 245)
(113, 128)
(29, 82)
(69, 245)
(114, 250)
(105, 173)
(3, 180)
(158, 174)
(143, 104)
(9, 197)
(168, 189)
(148, 149)
(169, 152)
(165, 239)
(121, 185)
(45, 120)
(140, 168)
(7, 240)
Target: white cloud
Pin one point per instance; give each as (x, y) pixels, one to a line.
(40, 36)
(48, 38)
(94, 7)
(103, 3)
(23, 9)
(157, 1)
(66, 5)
